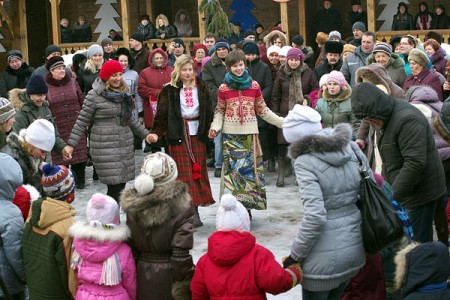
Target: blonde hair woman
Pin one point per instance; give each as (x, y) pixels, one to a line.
(183, 116)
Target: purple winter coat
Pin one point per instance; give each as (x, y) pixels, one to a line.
(439, 61)
(427, 96)
(95, 245)
(65, 100)
(426, 77)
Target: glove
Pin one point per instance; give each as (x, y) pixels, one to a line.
(288, 261)
(360, 144)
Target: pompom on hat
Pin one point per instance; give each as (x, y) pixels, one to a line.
(157, 169)
(110, 68)
(103, 208)
(40, 134)
(58, 182)
(337, 77)
(419, 57)
(295, 53)
(301, 121)
(6, 110)
(93, 50)
(232, 215)
(36, 85)
(54, 62)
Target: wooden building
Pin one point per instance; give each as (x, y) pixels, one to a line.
(31, 25)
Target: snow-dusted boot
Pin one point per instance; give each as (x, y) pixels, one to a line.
(196, 221)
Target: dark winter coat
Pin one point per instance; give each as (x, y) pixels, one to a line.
(327, 20)
(354, 17)
(27, 112)
(213, 74)
(12, 270)
(147, 31)
(14, 79)
(411, 162)
(394, 67)
(168, 119)
(141, 58)
(83, 33)
(169, 30)
(161, 236)
(235, 267)
(85, 78)
(151, 81)
(439, 61)
(326, 68)
(440, 22)
(67, 35)
(260, 72)
(426, 77)
(328, 244)
(423, 20)
(65, 100)
(428, 97)
(403, 22)
(111, 144)
(47, 249)
(422, 271)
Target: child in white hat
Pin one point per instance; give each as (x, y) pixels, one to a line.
(235, 266)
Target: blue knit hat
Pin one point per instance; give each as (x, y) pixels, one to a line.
(36, 85)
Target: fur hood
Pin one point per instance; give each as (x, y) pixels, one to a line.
(16, 98)
(15, 146)
(184, 12)
(377, 75)
(156, 208)
(161, 16)
(327, 140)
(163, 53)
(268, 38)
(394, 62)
(421, 264)
(82, 230)
(344, 95)
(442, 130)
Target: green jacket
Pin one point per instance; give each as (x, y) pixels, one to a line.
(27, 112)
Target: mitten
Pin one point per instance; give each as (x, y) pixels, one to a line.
(288, 261)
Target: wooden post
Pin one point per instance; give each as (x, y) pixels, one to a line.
(201, 23)
(284, 20)
(56, 33)
(125, 12)
(149, 6)
(302, 19)
(19, 16)
(371, 15)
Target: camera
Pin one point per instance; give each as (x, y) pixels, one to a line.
(177, 45)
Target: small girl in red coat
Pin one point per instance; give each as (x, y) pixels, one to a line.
(235, 266)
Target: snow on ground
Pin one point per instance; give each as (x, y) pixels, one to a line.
(274, 228)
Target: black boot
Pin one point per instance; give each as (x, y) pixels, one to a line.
(271, 165)
(196, 221)
(288, 167)
(281, 169)
(79, 173)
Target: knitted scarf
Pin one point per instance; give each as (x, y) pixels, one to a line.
(238, 83)
(126, 101)
(295, 85)
(22, 74)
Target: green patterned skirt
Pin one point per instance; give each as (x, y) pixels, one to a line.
(243, 170)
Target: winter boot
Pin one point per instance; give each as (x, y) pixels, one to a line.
(281, 170)
(79, 173)
(271, 165)
(288, 167)
(196, 221)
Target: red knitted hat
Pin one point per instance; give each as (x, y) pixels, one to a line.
(199, 46)
(110, 68)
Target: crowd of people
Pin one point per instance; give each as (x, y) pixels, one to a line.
(251, 104)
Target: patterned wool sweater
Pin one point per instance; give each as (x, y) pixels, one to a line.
(235, 111)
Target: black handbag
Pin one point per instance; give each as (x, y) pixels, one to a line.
(380, 224)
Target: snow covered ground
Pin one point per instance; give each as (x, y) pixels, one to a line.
(274, 228)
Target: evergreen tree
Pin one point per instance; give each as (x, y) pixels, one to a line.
(216, 20)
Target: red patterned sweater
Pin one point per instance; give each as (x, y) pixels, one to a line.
(235, 111)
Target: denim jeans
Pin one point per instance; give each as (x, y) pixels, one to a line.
(218, 155)
(422, 221)
(333, 294)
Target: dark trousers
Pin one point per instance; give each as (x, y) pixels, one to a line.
(422, 221)
(333, 294)
(114, 190)
(269, 151)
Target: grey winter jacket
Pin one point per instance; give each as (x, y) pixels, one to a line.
(111, 144)
(329, 242)
(352, 63)
(12, 270)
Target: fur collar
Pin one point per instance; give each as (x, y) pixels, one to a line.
(327, 140)
(400, 261)
(158, 207)
(216, 61)
(16, 100)
(82, 230)
(344, 95)
(52, 81)
(295, 85)
(15, 145)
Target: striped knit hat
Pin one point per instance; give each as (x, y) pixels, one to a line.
(58, 182)
(6, 110)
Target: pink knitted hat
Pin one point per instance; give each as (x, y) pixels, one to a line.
(103, 208)
(338, 77)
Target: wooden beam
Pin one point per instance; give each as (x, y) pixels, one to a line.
(56, 33)
(19, 17)
(125, 13)
(302, 19)
(284, 20)
(149, 6)
(201, 23)
(5, 17)
(371, 15)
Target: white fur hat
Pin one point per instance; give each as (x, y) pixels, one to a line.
(273, 49)
(232, 215)
(157, 169)
(103, 208)
(284, 50)
(300, 122)
(40, 134)
(323, 80)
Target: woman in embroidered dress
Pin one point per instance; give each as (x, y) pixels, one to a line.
(239, 100)
(184, 115)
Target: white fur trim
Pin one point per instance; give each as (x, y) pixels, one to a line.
(82, 230)
(34, 194)
(400, 262)
(144, 184)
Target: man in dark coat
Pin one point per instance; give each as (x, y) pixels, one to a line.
(411, 162)
(333, 61)
(139, 52)
(328, 19)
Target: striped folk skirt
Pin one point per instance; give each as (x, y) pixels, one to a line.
(200, 189)
(243, 171)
